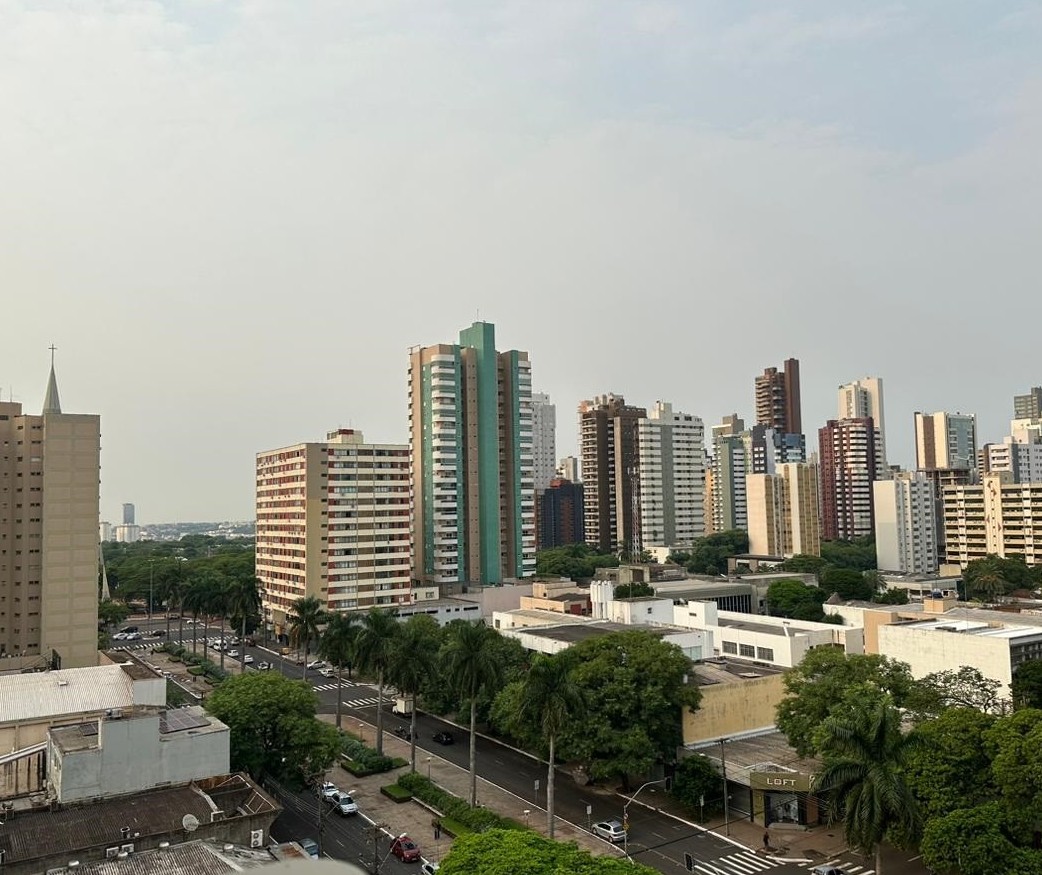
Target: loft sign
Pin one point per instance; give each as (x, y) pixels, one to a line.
(781, 782)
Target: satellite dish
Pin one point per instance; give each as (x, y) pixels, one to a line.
(190, 822)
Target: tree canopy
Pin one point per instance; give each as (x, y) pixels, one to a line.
(522, 852)
(577, 561)
(709, 555)
(994, 576)
(1027, 684)
(273, 727)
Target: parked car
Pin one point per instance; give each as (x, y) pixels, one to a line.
(129, 629)
(263, 666)
(133, 636)
(234, 654)
(827, 870)
(610, 830)
(429, 868)
(158, 633)
(403, 732)
(310, 847)
(444, 738)
(328, 672)
(247, 659)
(329, 790)
(405, 849)
(318, 663)
(119, 636)
(344, 804)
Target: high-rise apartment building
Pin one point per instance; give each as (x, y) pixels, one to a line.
(50, 474)
(608, 456)
(906, 523)
(671, 477)
(561, 514)
(945, 440)
(568, 468)
(544, 440)
(767, 448)
(783, 511)
(333, 523)
(778, 398)
(1028, 406)
(128, 514)
(470, 426)
(861, 399)
(731, 464)
(997, 516)
(849, 458)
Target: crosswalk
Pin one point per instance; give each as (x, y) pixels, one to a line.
(749, 863)
(358, 703)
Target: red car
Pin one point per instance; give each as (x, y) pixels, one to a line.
(405, 849)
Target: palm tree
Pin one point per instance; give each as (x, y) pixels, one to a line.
(374, 651)
(470, 667)
(338, 646)
(989, 587)
(863, 779)
(412, 663)
(195, 600)
(550, 697)
(304, 619)
(241, 599)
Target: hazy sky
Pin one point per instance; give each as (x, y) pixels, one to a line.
(234, 218)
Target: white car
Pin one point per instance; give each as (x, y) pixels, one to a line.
(344, 804)
(119, 636)
(610, 830)
(827, 870)
(234, 654)
(318, 663)
(247, 659)
(328, 672)
(329, 790)
(429, 868)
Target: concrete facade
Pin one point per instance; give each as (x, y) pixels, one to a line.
(946, 440)
(905, 523)
(850, 459)
(731, 464)
(863, 399)
(998, 516)
(544, 440)
(778, 398)
(783, 511)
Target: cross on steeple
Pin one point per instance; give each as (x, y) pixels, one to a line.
(52, 348)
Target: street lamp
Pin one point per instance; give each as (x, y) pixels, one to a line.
(361, 732)
(429, 767)
(625, 811)
(528, 811)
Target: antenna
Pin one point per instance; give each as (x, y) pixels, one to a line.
(190, 823)
(52, 348)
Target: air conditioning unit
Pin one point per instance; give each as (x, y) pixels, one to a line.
(256, 838)
(128, 848)
(110, 853)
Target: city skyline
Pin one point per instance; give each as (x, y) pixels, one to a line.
(223, 207)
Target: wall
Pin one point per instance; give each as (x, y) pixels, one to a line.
(928, 651)
(134, 756)
(496, 598)
(641, 611)
(731, 709)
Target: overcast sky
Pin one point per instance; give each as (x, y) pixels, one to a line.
(234, 218)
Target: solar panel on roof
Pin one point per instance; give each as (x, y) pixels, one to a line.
(176, 721)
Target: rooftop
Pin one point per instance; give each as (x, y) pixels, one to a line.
(722, 671)
(573, 633)
(767, 751)
(194, 858)
(40, 695)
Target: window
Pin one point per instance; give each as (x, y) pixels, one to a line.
(746, 650)
(765, 653)
(729, 647)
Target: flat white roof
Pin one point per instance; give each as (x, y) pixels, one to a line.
(39, 695)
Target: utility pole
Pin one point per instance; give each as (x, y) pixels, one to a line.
(723, 768)
(151, 580)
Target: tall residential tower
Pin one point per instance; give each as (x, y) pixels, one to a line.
(470, 445)
(778, 398)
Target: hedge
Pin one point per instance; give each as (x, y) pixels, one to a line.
(453, 808)
(453, 828)
(364, 760)
(195, 670)
(398, 794)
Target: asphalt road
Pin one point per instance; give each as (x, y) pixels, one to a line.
(654, 839)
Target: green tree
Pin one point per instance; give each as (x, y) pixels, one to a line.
(1027, 684)
(337, 645)
(788, 597)
(272, 725)
(709, 555)
(112, 613)
(974, 841)
(826, 682)
(857, 555)
(988, 587)
(1012, 572)
(196, 600)
(470, 669)
(696, 781)
(513, 852)
(1014, 744)
(633, 590)
(549, 700)
(374, 651)
(415, 652)
(964, 687)
(862, 780)
(950, 768)
(241, 599)
(305, 619)
(847, 583)
(635, 688)
(577, 561)
(891, 596)
(802, 563)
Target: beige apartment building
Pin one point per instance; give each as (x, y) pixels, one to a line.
(997, 516)
(333, 522)
(49, 510)
(782, 510)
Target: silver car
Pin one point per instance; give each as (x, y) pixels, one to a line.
(610, 830)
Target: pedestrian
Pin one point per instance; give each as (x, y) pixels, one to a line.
(766, 841)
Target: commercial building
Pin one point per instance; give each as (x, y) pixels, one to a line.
(998, 516)
(561, 514)
(778, 398)
(849, 463)
(945, 440)
(671, 472)
(731, 464)
(906, 523)
(470, 445)
(49, 476)
(333, 522)
(1028, 406)
(863, 399)
(608, 454)
(544, 440)
(783, 512)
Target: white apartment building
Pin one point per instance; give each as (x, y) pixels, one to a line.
(783, 511)
(731, 464)
(544, 440)
(861, 399)
(998, 516)
(905, 523)
(1021, 459)
(671, 465)
(945, 440)
(333, 522)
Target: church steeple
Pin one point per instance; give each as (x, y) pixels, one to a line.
(51, 401)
